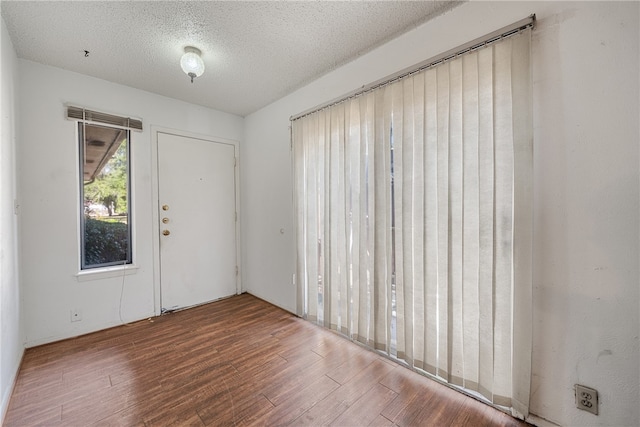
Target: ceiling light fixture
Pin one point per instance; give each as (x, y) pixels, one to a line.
(191, 62)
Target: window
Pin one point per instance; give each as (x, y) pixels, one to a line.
(105, 202)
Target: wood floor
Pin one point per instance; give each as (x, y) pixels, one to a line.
(239, 361)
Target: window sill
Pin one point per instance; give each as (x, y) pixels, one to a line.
(106, 272)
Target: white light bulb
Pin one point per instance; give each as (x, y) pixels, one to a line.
(191, 62)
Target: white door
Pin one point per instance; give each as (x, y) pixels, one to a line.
(197, 214)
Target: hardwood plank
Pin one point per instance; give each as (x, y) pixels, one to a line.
(381, 421)
(233, 409)
(410, 387)
(276, 391)
(256, 413)
(336, 403)
(296, 403)
(85, 408)
(239, 361)
(366, 409)
(182, 414)
(469, 412)
(436, 408)
(351, 366)
(127, 417)
(35, 414)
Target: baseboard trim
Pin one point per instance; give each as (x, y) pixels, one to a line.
(539, 421)
(270, 301)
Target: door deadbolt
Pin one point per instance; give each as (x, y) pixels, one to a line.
(166, 232)
(165, 207)
(165, 220)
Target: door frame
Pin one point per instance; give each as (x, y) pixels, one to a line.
(155, 201)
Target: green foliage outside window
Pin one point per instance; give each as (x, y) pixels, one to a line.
(110, 186)
(105, 241)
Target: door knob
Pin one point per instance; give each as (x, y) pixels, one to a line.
(165, 220)
(166, 232)
(165, 207)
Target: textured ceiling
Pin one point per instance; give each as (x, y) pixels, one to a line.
(254, 52)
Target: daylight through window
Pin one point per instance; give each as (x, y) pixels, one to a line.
(105, 202)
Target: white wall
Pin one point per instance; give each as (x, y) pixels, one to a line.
(47, 176)
(266, 198)
(11, 339)
(586, 184)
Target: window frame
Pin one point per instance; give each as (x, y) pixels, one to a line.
(85, 268)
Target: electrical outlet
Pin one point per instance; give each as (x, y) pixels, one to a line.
(586, 399)
(76, 315)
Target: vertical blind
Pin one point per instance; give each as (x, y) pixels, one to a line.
(413, 206)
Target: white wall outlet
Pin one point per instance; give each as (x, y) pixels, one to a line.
(76, 315)
(586, 399)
